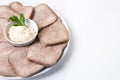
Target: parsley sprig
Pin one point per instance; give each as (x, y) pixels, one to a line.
(18, 21)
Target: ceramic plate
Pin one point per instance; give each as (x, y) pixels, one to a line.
(48, 68)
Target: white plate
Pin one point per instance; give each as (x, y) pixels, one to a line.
(49, 68)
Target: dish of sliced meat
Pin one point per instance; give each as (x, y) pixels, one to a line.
(44, 53)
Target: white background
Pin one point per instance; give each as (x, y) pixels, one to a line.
(94, 53)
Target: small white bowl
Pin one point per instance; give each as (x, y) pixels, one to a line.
(30, 23)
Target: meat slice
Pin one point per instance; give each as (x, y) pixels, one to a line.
(22, 66)
(55, 33)
(5, 68)
(7, 12)
(47, 56)
(44, 15)
(3, 23)
(26, 10)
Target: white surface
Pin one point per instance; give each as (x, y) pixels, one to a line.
(95, 50)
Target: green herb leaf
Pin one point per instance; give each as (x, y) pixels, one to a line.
(22, 18)
(18, 21)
